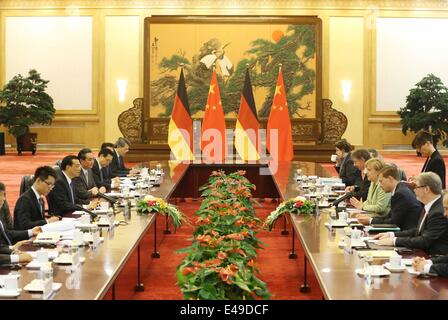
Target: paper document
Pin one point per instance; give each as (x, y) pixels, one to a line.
(59, 226)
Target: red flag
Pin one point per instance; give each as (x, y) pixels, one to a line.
(213, 137)
(280, 147)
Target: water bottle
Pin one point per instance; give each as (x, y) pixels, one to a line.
(368, 269)
(127, 211)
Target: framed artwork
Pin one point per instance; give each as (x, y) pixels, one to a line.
(232, 44)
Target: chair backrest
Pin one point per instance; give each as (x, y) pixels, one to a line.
(26, 183)
(58, 163)
(58, 171)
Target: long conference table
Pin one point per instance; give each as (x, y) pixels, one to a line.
(114, 269)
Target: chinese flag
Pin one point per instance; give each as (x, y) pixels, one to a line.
(280, 147)
(180, 129)
(246, 130)
(213, 137)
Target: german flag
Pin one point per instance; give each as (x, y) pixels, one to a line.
(213, 136)
(180, 130)
(246, 129)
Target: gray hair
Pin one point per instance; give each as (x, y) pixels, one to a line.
(431, 180)
(121, 142)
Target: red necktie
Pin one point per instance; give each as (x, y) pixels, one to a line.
(421, 220)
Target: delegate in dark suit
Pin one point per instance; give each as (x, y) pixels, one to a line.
(347, 171)
(61, 199)
(433, 236)
(435, 163)
(28, 212)
(117, 167)
(404, 209)
(364, 185)
(82, 187)
(101, 176)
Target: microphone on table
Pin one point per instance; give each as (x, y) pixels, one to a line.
(93, 215)
(103, 196)
(345, 196)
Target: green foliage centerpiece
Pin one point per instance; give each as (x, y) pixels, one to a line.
(298, 205)
(150, 204)
(221, 260)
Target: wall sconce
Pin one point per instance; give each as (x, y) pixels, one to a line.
(122, 85)
(346, 89)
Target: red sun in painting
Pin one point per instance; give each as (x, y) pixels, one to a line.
(277, 35)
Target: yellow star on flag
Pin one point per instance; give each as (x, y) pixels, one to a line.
(277, 90)
(212, 89)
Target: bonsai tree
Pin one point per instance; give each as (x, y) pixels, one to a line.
(25, 102)
(427, 108)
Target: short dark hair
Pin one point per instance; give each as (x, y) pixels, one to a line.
(105, 152)
(361, 154)
(68, 161)
(121, 142)
(82, 154)
(390, 171)
(107, 145)
(343, 145)
(421, 138)
(2, 186)
(44, 172)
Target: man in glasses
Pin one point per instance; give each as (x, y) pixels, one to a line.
(29, 211)
(431, 233)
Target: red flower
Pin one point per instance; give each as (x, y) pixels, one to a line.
(150, 203)
(298, 204)
(222, 255)
(188, 270)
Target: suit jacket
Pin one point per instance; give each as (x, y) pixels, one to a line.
(435, 164)
(13, 236)
(377, 200)
(364, 185)
(101, 176)
(405, 209)
(5, 255)
(5, 215)
(59, 199)
(27, 212)
(117, 167)
(82, 187)
(347, 171)
(440, 266)
(433, 237)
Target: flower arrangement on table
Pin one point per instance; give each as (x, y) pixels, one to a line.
(298, 205)
(151, 204)
(221, 262)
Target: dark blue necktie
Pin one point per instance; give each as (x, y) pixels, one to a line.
(2, 229)
(42, 207)
(72, 193)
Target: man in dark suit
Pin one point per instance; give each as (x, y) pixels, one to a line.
(62, 199)
(405, 208)
(359, 158)
(431, 233)
(29, 211)
(117, 167)
(85, 185)
(344, 164)
(12, 255)
(100, 169)
(423, 143)
(437, 265)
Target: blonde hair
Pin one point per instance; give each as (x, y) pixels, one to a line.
(375, 164)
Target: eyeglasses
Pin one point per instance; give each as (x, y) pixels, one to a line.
(49, 184)
(417, 187)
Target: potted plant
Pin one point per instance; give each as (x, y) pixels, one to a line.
(24, 102)
(427, 108)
